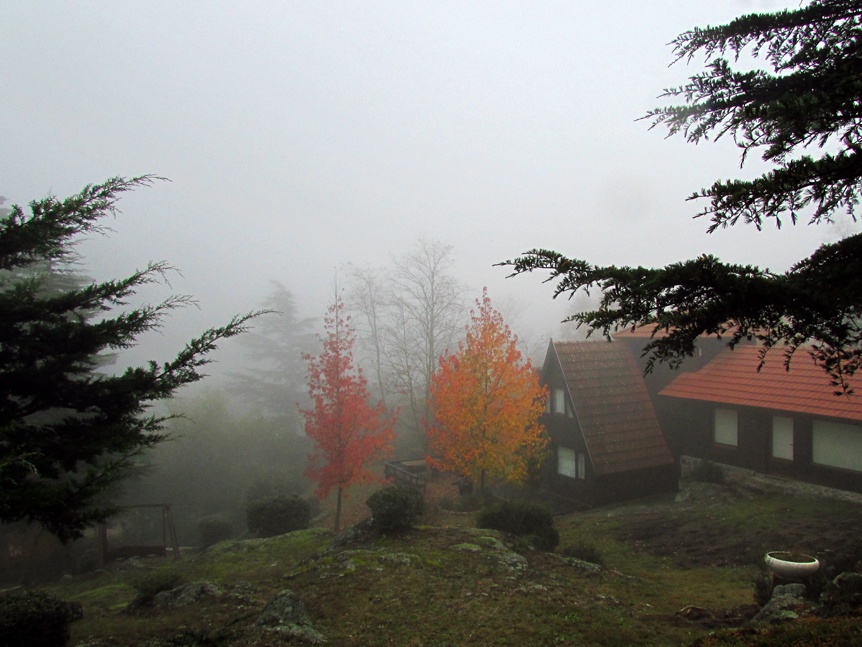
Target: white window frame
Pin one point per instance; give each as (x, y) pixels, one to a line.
(558, 394)
(837, 444)
(571, 463)
(782, 437)
(725, 430)
(567, 464)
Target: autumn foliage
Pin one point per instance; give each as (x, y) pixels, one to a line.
(348, 432)
(487, 400)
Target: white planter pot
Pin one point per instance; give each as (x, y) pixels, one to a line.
(792, 566)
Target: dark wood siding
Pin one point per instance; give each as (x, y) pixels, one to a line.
(623, 408)
(689, 425)
(753, 449)
(566, 432)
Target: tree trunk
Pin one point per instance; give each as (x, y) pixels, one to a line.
(338, 511)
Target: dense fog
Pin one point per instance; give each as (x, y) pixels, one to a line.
(376, 153)
(299, 138)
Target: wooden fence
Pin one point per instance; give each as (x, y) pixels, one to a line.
(411, 472)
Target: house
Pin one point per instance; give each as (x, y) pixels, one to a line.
(774, 421)
(706, 348)
(606, 441)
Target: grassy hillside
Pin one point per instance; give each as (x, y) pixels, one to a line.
(450, 584)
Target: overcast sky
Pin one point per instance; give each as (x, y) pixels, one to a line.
(300, 136)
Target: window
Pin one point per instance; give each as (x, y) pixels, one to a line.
(559, 403)
(782, 437)
(571, 463)
(837, 444)
(725, 430)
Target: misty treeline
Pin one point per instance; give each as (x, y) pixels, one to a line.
(244, 441)
(218, 458)
(247, 439)
(408, 314)
(212, 451)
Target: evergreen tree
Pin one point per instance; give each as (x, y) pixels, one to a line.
(276, 383)
(801, 111)
(67, 430)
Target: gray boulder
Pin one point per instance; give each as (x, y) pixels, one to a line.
(186, 594)
(848, 587)
(843, 593)
(786, 602)
(285, 614)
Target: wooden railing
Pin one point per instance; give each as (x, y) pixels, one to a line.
(412, 472)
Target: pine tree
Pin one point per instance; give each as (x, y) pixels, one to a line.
(276, 382)
(67, 430)
(801, 111)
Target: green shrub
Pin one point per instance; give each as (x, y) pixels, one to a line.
(395, 508)
(268, 487)
(277, 515)
(214, 528)
(149, 583)
(522, 519)
(35, 619)
(584, 551)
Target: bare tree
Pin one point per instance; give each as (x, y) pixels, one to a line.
(412, 315)
(431, 303)
(531, 344)
(368, 294)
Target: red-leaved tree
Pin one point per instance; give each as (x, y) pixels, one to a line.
(348, 432)
(486, 400)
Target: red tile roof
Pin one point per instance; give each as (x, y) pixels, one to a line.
(650, 331)
(615, 412)
(732, 378)
(644, 332)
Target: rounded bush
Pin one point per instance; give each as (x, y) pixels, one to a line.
(35, 619)
(522, 519)
(277, 515)
(395, 508)
(214, 528)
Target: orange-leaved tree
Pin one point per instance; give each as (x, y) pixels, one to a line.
(347, 431)
(486, 400)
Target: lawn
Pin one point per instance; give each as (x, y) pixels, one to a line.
(449, 584)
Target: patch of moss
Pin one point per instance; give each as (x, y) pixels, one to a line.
(468, 547)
